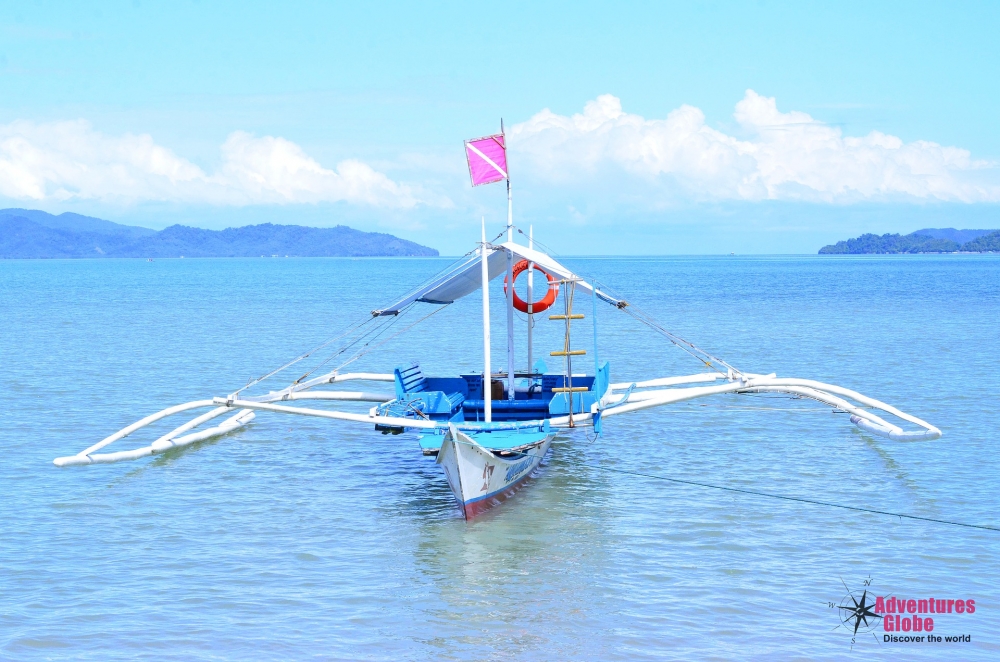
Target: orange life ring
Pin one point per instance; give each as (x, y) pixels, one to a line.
(545, 302)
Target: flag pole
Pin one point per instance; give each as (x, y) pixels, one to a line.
(510, 279)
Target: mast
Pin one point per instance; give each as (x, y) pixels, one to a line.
(487, 376)
(510, 279)
(531, 278)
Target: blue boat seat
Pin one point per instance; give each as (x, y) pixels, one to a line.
(439, 397)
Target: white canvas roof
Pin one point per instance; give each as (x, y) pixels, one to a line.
(466, 278)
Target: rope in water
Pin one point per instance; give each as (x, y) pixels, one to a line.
(782, 497)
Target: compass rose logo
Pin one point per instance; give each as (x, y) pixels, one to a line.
(857, 611)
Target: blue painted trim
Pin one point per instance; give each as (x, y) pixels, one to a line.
(500, 427)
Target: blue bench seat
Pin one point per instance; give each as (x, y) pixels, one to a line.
(437, 398)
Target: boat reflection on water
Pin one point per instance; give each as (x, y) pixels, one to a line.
(484, 572)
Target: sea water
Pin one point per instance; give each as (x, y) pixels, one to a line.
(303, 538)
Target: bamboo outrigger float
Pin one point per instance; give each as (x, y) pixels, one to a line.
(490, 431)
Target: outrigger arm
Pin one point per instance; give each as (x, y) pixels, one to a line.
(621, 398)
(836, 396)
(176, 437)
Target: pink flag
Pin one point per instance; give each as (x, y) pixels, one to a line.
(487, 159)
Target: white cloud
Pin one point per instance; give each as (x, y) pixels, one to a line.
(63, 161)
(787, 156)
(611, 156)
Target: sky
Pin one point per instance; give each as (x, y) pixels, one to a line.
(633, 128)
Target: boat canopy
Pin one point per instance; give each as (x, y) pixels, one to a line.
(466, 277)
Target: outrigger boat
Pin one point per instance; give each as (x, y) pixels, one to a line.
(490, 430)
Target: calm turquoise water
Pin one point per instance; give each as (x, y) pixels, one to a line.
(310, 539)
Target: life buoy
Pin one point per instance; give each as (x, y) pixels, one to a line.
(545, 302)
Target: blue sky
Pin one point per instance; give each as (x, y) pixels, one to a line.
(635, 127)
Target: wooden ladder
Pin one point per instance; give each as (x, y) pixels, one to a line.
(568, 317)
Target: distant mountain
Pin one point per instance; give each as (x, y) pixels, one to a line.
(958, 236)
(23, 237)
(268, 239)
(76, 222)
(989, 243)
(947, 240)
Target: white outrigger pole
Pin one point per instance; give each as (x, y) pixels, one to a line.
(487, 371)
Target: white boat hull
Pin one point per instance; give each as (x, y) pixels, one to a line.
(478, 478)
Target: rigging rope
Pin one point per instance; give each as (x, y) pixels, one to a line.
(698, 353)
(353, 327)
(365, 349)
(451, 267)
(644, 318)
(689, 347)
(378, 330)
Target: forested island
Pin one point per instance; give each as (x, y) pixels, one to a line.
(930, 240)
(28, 233)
